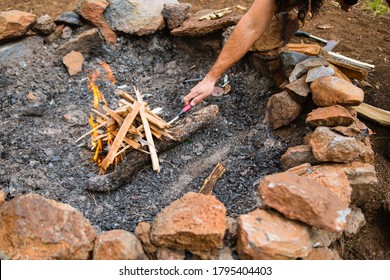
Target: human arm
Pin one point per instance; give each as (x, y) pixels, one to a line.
(248, 30)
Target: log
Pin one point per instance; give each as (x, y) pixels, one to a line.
(136, 161)
(210, 182)
(373, 113)
(307, 49)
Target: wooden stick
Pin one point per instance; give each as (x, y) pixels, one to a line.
(210, 182)
(148, 133)
(120, 137)
(92, 130)
(379, 115)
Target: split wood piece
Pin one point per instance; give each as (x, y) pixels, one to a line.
(351, 71)
(379, 115)
(132, 99)
(150, 116)
(120, 137)
(351, 61)
(129, 141)
(136, 161)
(210, 182)
(307, 49)
(148, 133)
(338, 73)
(92, 130)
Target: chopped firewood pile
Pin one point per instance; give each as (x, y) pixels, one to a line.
(130, 126)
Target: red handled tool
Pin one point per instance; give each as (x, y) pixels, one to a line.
(183, 111)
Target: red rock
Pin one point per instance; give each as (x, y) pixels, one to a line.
(74, 62)
(355, 222)
(305, 200)
(118, 245)
(331, 90)
(323, 254)
(14, 24)
(92, 10)
(33, 227)
(328, 145)
(267, 235)
(299, 90)
(142, 231)
(194, 222)
(281, 110)
(334, 179)
(323, 238)
(335, 115)
(170, 254)
(2, 197)
(296, 156)
(285, 24)
(193, 27)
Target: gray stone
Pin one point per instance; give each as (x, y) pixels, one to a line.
(44, 25)
(83, 42)
(136, 16)
(69, 18)
(318, 72)
(175, 14)
(290, 59)
(20, 49)
(302, 67)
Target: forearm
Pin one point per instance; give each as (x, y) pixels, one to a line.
(247, 31)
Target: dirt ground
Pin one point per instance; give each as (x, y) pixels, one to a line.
(59, 171)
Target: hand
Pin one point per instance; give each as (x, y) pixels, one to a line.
(202, 90)
(346, 7)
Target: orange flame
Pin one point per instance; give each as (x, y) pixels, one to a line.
(110, 75)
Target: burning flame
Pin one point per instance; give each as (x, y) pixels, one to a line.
(110, 75)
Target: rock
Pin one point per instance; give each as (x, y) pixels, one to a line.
(269, 236)
(334, 179)
(296, 156)
(21, 49)
(335, 115)
(299, 90)
(303, 67)
(205, 255)
(305, 200)
(323, 238)
(170, 254)
(225, 254)
(386, 205)
(323, 254)
(69, 18)
(330, 90)
(231, 232)
(281, 110)
(279, 32)
(362, 178)
(92, 10)
(290, 59)
(319, 72)
(44, 25)
(2, 197)
(74, 62)
(66, 32)
(117, 245)
(84, 43)
(33, 227)
(193, 27)
(55, 36)
(355, 222)
(15, 24)
(328, 145)
(142, 231)
(194, 222)
(136, 16)
(175, 14)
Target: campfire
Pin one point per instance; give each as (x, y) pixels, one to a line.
(131, 125)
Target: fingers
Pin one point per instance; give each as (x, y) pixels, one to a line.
(199, 92)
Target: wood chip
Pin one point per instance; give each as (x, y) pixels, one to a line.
(210, 182)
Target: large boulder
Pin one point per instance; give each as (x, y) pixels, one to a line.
(14, 24)
(194, 222)
(305, 200)
(33, 227)
(138, 17)
(269, 236)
